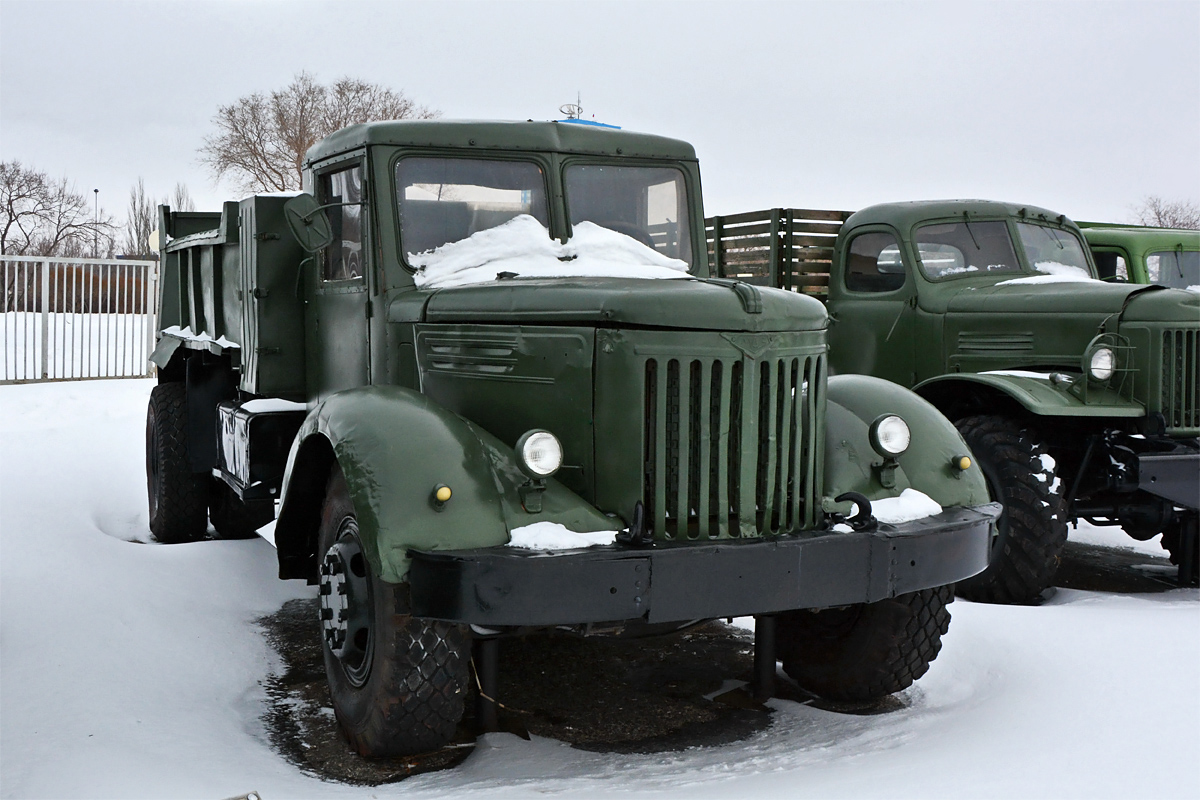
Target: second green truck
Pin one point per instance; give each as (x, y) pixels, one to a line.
(1079, 398)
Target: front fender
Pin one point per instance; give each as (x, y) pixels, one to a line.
(1038, 394)
(395, 447)
(851, 464)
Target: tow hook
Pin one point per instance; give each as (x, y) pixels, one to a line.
(863, 520)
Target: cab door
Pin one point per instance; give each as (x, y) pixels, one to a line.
(872, 304)
(337, 312)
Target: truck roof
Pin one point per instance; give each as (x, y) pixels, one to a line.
(1136, 237)
(558, 136)
(904, 215)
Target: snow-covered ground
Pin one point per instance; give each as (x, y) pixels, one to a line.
(133, 670)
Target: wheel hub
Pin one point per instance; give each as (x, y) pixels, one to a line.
(345, 601)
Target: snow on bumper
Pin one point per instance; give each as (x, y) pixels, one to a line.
(669, 583)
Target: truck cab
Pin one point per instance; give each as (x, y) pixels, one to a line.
(1137, 254)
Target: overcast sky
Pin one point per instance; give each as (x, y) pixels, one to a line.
(1084, 108)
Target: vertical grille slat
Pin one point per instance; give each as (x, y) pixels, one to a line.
(683, 449)
(767, 442)
(723, 434)
(704, 452)
(728, 448)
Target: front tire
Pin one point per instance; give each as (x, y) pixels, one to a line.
(178, 497)
(1032, 530)
(864, 652)
(398, 682)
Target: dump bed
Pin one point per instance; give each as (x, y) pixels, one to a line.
(229, 285)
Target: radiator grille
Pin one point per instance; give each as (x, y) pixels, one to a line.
(728, 444)
(1181, 379)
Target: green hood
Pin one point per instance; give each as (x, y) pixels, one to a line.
(692, 304)
(1045, 298)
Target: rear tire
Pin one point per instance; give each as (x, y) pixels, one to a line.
(865, 652)
(178, 497)
(398, 682)
(1032, 530)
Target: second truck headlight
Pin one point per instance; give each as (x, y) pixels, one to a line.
(1102, 363)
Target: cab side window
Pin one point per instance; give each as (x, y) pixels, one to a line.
(873, 263)
(342, 259)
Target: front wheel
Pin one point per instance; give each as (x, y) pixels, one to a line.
(1032, 530)
(398, 682)
(866, 651)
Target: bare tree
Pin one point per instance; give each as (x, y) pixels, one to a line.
(141, 221)
(42, 217)
(181, 199)
(261, 138)
(1160, 213)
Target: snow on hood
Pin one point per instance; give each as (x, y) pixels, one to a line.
(1054, 273)
(523, 246)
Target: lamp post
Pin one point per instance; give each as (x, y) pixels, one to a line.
(96, 229)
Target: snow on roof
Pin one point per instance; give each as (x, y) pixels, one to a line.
(523, 246)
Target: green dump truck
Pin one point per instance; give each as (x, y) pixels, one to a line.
(485, 374)
(1080, 399)
(1139, 254)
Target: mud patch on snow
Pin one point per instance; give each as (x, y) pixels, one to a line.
(299, 717)
(598, 694)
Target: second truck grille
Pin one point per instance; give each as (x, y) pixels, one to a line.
(1180, 378)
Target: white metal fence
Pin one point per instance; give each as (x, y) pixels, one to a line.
(64, 319)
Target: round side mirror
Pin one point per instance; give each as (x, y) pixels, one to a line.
(308, 222)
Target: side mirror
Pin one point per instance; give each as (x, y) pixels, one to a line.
(308, 222)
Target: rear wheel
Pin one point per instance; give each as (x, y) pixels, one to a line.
(398, 682)
(1032, 530)
(866, 651)
(178, 497)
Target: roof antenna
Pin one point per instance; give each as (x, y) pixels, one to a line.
(572, 110)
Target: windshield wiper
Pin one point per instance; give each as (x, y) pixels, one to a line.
(967, 222)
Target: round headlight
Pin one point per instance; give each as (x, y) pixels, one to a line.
(890, 435)
(540, 453)
(1102, 364)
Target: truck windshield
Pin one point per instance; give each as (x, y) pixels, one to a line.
(443, 200)
(1053, 251)
(1175, 268)
(954, 249)
(648, 204)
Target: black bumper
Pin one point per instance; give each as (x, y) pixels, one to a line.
(1172, 476)
(500, 586)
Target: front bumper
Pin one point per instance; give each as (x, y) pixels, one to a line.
(1173, 476)
(505, 586)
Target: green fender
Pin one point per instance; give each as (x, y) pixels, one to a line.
(854, 402)
(1039, 395)
(395, 447)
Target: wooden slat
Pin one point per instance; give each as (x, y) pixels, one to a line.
(746, 216)
(802, 226)
(836, 216)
